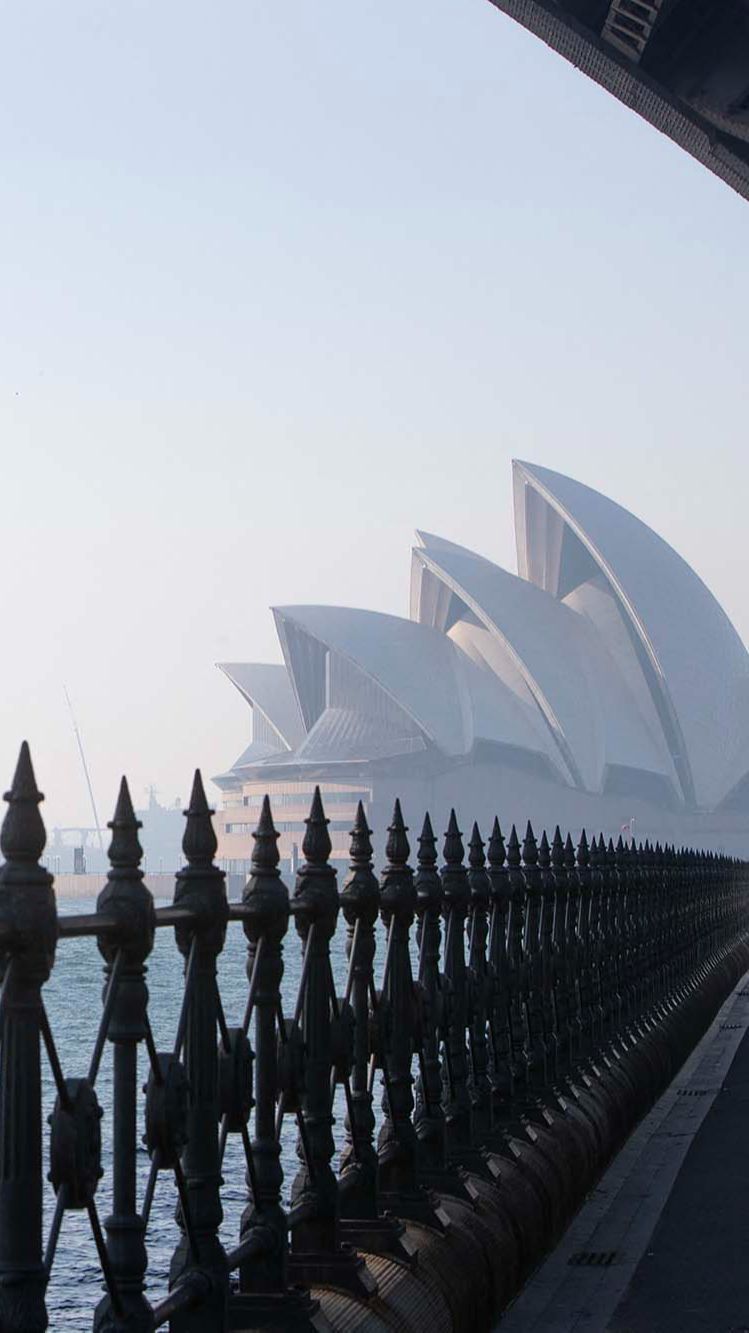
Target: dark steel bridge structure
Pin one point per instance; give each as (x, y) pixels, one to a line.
(683, 65)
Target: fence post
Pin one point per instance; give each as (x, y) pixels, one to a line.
(685, 920)
(200, 886)
(638, 908)
(517, 969)
(533, 990)
(657, 951)
(596, 980)
(605, 1059)
(694, 895)
(639, 923)
(361, 1221)
(316, 1251)
(499, 1012)
(574, 951)
(648, 927)
(430, 1116)
(584, 966)
(126, 898)
(611, 945)
(398, 1146)
(29, 920)
(671, 931)
(265, 1298)
(624, 931)
(360, 901)
(478, 930)
(561, 1097)
(560, 961)
(435, 1170)
(547, 958)
(573, 1080)
(456, 897)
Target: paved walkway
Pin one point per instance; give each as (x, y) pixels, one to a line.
(662, 1245)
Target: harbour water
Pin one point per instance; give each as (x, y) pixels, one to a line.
(73, 1000)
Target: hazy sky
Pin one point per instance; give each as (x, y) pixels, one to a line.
(281, 282)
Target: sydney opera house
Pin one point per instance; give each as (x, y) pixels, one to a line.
(600, 686)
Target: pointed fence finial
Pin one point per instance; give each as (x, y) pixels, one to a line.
(530, 849)
(427, 854)
(29, 919)
(499, 1024)
(397, 847)
(125, 895)
(199, 842)
(22, 837)
(265, 850)
(360, 894)
(496, 853)
(476, 857)
(124, 849)
(479, 883)
(316, 844)
(513, 848)
(456, 900)
(200, 888)
(360, 852)
(453, 850)
(127, 944)
(557, 849)
(200, 885)
(583, 852)
(477, 1010)
(429, 1118)
(28, 902)
(602, 851)
(544, 854)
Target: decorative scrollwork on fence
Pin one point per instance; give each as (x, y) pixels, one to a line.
(512, 1058)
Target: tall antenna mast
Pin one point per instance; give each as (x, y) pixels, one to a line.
(85, 769)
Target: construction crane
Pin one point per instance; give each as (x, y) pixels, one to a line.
(85, 770)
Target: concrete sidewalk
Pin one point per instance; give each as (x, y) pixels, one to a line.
(661, 1244)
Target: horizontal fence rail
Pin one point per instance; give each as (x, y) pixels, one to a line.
(528, 1004)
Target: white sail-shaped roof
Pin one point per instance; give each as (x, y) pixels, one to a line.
(446, 698)
(268, 690)
(604, 664)
(554, 654)
(693, 661)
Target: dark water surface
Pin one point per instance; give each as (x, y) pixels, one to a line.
(73, 1000)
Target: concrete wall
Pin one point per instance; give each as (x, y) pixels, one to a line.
(88, 886)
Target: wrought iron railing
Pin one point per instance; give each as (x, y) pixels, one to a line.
(541, 1007)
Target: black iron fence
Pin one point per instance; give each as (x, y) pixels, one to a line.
(545, 997)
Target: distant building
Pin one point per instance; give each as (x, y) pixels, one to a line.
(162, 833)
(76, 850)
(601, 686)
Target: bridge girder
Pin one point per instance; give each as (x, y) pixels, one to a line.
(683, 65)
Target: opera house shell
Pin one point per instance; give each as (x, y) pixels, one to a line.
(602, 686)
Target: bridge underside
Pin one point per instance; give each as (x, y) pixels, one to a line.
(683, 65)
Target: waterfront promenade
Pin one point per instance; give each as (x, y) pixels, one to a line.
(660, 1246)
